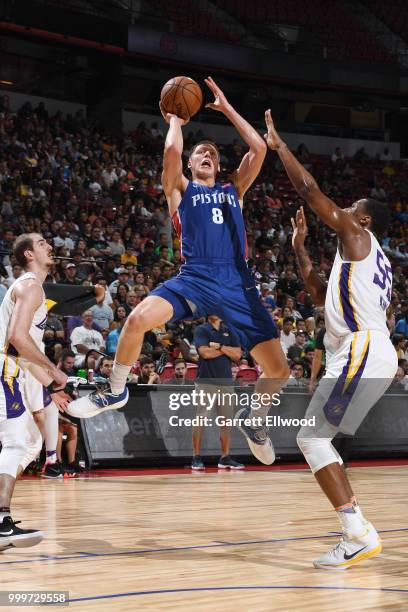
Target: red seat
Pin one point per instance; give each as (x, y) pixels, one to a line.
(332, 22)
(135, 368)
(192, 370)
(247, 375)
(168, 372)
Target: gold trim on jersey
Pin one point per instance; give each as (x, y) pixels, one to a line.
(348, 311)
(350, 296)
(339, 291)
(354, 367)
(9, 379)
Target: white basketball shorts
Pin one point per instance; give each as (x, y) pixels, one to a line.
(359, 370)
(37, 397)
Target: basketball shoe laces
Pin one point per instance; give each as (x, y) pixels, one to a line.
(99, 395)
(8, 521)
(341, 547)
(260, 433)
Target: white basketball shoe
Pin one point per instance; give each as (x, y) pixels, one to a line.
(351, 550)
(257, 437)
(99, 401)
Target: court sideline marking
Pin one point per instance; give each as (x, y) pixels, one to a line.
(238, 588)
(87, 555)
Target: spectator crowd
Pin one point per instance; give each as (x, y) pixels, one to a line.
(98, 201)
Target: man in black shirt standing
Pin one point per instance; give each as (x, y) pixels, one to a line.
(217, 347)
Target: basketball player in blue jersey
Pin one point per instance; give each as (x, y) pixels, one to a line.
(215, 279)
(361, 361)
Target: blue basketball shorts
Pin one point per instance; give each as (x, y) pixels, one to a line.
(222, 289)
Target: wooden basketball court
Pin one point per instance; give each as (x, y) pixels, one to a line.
(207, 541)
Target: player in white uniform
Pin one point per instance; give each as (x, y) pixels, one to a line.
(361, 361)
(23, 314)
(39, 401)
(45, 414)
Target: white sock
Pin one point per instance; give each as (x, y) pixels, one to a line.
(351, 520)
(360, 514)
(4, 514)
(118, 377)
(51, 432)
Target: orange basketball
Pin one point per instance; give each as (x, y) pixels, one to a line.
(181, 96)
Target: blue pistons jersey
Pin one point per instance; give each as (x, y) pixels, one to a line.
(215, 279)
(210, 224)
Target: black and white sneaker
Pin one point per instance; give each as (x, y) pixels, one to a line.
(228, 462)
(257, 437)
(13, 536)
(197, 463)
(96, 402)
(53, 470)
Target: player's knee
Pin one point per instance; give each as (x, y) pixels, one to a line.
(318, 452)
(39, 417)
(284, 371)
(33, 450)
(72, 433)
(138, 321)
(280, 372)
(11, 456)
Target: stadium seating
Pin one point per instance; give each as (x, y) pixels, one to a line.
(168, 372)
(246, 375)
(327, 22)
(192, 370)
(332, 24)
(392, 14)
(189, 20)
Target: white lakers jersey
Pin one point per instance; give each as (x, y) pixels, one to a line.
(359, 293)
(6, 311)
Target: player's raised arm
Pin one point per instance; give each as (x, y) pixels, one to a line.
(314, 284)
(341, 221)
(173, 181)
(252, 161)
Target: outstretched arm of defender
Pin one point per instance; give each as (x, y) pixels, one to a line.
(27, 297)
(173, 181)
(343, 223)
(314, 284)
(252, 161)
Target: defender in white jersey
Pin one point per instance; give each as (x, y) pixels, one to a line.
(62, 300)
(45, 415)
(361, 361)
(23, 315)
